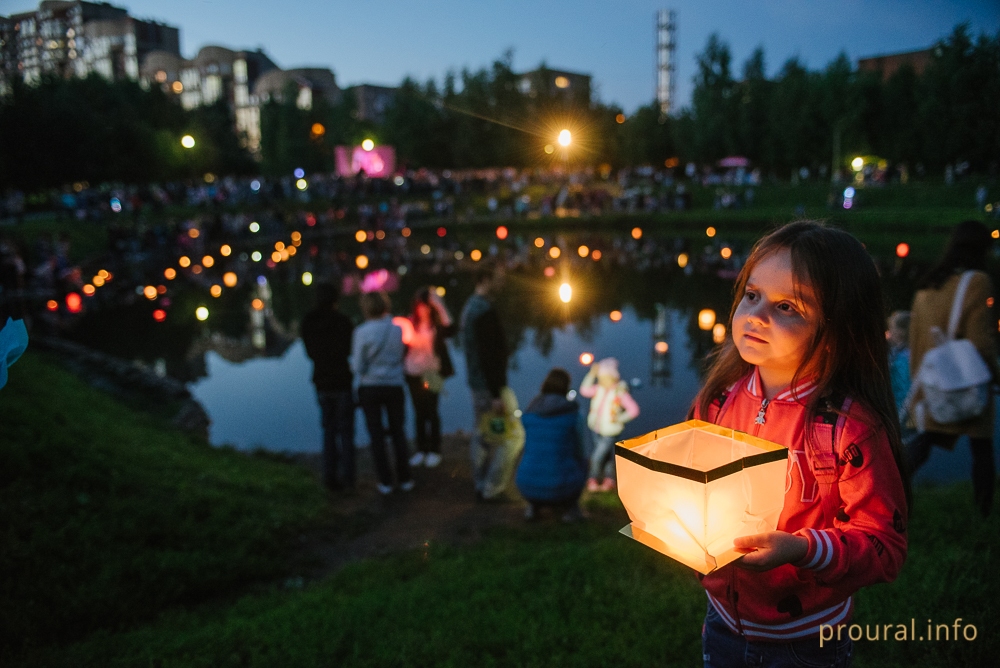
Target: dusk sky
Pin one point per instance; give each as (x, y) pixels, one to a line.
(381, 41)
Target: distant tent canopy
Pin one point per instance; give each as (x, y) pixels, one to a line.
(734, 161)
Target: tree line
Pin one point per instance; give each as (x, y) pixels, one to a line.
(64, 131)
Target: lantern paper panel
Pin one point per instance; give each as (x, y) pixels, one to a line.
(690, 489)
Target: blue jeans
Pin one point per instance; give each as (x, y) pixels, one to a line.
(337, 411)
(602, 459)
(722, 648)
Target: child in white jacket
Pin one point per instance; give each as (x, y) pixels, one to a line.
(611, 406)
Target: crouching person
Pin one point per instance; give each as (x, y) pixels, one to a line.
(553, 468)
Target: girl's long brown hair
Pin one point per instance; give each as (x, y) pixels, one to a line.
(848, 353)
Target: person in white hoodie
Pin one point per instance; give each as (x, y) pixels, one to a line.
(377, 353)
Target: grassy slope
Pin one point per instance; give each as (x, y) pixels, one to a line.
(554, 596)
(107, 517)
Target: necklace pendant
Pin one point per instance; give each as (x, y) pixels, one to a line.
(760, 414)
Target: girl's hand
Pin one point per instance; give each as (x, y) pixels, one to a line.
(770, 550)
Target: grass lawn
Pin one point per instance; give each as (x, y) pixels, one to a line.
(127, 544)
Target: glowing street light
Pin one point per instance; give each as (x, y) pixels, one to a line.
(565, 137)
(187, 141)
(565, 293)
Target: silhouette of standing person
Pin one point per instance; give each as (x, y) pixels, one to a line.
(326, 334)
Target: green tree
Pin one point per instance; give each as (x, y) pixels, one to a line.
(714, 102)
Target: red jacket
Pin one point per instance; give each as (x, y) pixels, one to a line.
(865, 545)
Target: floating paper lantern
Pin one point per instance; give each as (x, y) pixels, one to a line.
(690, 489)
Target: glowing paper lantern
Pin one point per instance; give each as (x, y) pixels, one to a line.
(719, 333)
(903, 249)
(616, 316)
(407, 326)
(690, 489)
(586, 358)
(706, 319)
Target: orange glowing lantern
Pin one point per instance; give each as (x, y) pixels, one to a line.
(706, 319)
(616, 316)
(692, 488)
(74, 303)
(719, 333)
(586, 358)
(476, 255)
(407, 326)
(636, 232)
(661, 347)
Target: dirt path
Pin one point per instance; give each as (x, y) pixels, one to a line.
(442, 508)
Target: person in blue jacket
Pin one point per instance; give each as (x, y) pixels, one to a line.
(553, 468)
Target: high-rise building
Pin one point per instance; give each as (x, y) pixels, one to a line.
(666, 49)
(76, 38)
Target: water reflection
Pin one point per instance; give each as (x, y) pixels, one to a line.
(657, 302)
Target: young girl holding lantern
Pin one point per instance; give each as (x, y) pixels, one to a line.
(807, 368)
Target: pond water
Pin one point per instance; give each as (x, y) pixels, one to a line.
(246, 365)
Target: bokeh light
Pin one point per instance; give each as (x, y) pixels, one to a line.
(440, 291)
(74, 303)
(150, 292)
(501, 232)
(565, 137)
(216, 290)
(360, 236)
(89, 289)
(52, 305)
(726, 253)
(706, 319)
(279, 245)
(586, 358)
(596, 255)
(719, 333)
(187, 141)
(539, 242)
(299, 172)
(554, 252)
(583, 251)
(636, 232)
(615, 316)
(682, 260)
(196, 269)
(565, 293)
(254, 227)
(301, 184)
(441, 231)
(208, 261)
(361, 261)
(405, 231)
(425, 249)
(229, 279)
(549, 272)
(201, 313)
(661, 347)
(307, 278)
(276, 257)
(226, 250)
(368, 144)
(159, 315)
(710, 232)
(257, 304)
(903, 249)
(97, 281)
(476, 255)
(184, 261)
(194, 233)
(858, 163)
(256, 256)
